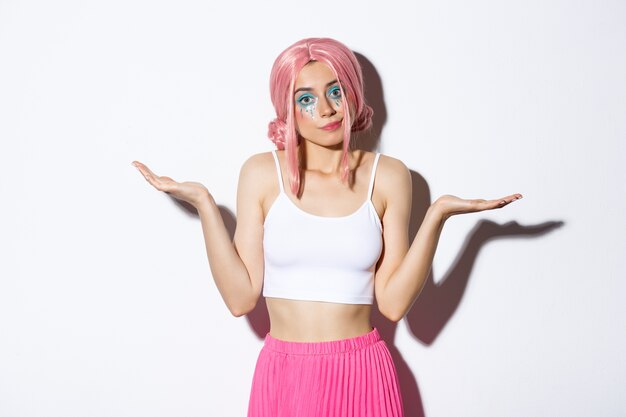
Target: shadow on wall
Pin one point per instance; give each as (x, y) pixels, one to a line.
(437, 302)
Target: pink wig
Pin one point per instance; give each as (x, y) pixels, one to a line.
(343, 63)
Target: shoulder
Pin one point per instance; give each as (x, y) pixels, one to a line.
(258, 174)
(258, 161)
(392, 173)
(392, 187)
(259, 165)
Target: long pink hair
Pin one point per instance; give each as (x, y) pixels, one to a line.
(343, 63)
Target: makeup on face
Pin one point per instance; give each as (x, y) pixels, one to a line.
(307, 101)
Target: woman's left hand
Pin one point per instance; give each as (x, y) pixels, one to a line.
(449, 205)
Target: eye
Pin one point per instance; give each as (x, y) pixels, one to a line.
(334, 92)
(306, 100)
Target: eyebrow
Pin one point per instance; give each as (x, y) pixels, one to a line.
(310, 89)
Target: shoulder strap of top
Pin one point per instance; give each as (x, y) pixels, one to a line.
(371, 187)
(278, 172)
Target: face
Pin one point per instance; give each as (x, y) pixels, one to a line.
(318, 105)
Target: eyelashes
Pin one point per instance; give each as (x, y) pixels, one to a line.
(334, 92)
(307, 100)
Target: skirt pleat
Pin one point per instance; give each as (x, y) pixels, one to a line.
(352, 377)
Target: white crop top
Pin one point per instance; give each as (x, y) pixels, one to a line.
(317, 258)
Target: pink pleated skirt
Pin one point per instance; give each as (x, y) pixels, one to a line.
(352, 377)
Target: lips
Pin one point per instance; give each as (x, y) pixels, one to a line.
(331, 126)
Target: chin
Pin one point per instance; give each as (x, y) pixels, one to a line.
(326, 143)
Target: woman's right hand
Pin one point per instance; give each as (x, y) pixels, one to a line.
(193, 193)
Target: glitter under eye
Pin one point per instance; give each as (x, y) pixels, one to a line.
(334, 93)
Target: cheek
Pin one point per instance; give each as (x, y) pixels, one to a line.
(306, 113)
(302, 119)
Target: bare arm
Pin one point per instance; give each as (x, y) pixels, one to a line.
(403, 269)
(237, 268)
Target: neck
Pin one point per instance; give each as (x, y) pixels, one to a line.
(326, 160)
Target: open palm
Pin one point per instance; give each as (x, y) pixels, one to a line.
(450, 205)
(188, 191)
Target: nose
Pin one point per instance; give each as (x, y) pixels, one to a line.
(325, 108)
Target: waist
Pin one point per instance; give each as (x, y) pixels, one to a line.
(314, 321)
(324, 347)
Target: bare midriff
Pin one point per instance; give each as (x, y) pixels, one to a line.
(316, 321)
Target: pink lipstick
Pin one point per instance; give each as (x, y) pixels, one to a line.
(331, 126)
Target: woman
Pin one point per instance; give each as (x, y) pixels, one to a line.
(321, 230)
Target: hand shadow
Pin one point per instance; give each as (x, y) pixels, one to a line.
(437, 302)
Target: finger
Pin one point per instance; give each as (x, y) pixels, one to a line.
(145, 171)
(481, 205)
(508, 199)
(160, 183)
(511, 198)
(147, 174)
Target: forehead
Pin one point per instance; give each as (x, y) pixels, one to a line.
(314, 74)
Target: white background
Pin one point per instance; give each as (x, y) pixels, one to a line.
(107, 306)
